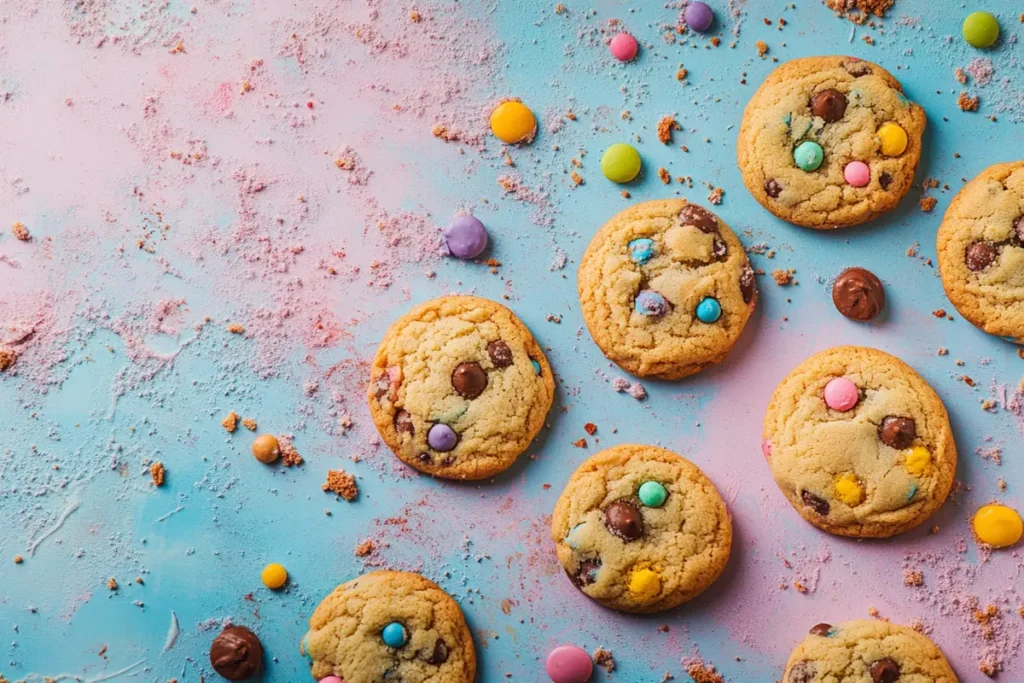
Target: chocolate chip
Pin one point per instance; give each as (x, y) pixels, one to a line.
(500, 354)
(439, 655)
(829, 104)
(699, 217)
(236, 654)
(448, 460)
(383, 385)
(820, 629)
(857, 68)
(748, 287)
(858, 294)
(403, 422)
(719, 248)
(802, 672)
(586, 573)
(819, 505)
(1018, 229)
(469, 379)
(885, 671)
(980, 255)
(897, 432)
(424, 457)
(885, 180)
(772, 188)
(624, 520)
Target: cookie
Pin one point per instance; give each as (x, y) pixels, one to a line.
(666, 288)
(867, 651)
(829, 142)
(641, 529)
(980, 246)
(459, 387)
(859, 443)
(389, 625)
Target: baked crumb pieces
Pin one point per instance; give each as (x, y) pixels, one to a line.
(961, 76)
(666, 125)
(762, 48)
(365, 548)
(236, 328)
(341, 483)
(112, 584)
(560, 8)
(576, 178)
(590, 428)
(716, 196)
(289, 455)
(868, 39)
(913, 577)
(702, 672)
(939, 313)
(21, 232)
(604, 659)
(158, 473)
(967, 103)
(681, 74)
(250, 424)
(580, 443)
(664, 175)
(7, 358)
(928, 203)
(415, 17)
(230, 422)
(18, 559)
(784, 277)
(859, 11)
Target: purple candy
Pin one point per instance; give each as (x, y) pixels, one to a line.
(698, 16)
(442, 438)
(466, 237)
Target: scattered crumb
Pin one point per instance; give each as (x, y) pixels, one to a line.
(7, 358)
(603, 658)
(665, 128)
(236, 328)
(577, 179)
(365, 548)
(702, 672)
(590, 428)
(580, 443)
(859, 11)
(664, 175)
(230, 422)
(939, 313)
(762, 48)
(961, 77)
(913, 577)
(341, 483)
(18, 559)
(289, 455)
(716, 196)
(681, 74)
(249, 423)
(967, 103)
(415, 16)
(560, 8)
(928, 203)
(783, 277)
(21, 232)
(868, 39)
(112, 584)
(158, 473)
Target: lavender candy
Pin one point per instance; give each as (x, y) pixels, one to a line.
(466, 237)
(698, 16)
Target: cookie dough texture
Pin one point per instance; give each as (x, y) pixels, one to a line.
(779, 117)
(344, 637)
(685, 542)
(980, 249)
(453, 343)
(696, 256)
(835, 468)
(846, 653)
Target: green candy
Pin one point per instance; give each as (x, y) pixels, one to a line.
(620, 163)
(808, 155)
(981, 29)
(652, 494)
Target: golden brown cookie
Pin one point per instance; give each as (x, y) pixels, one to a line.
(829, 142)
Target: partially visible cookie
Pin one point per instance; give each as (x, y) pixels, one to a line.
(386, 626)
(641, 529)
(459, 387)
(981, 251)
(829, 142)
(859, 443)
(666, 289)
(867, 651)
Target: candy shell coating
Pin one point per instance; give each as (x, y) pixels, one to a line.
(894, 139)
(998, 525)
(980, 29)
(841, 394)
(699, 16)
(394, 635)
(274, 576)
(465, 237)
(620, 163)
(623, 47)
(857, 173)
(569, 664)
(808, 155)
(709, 310)
(512, 122)
(652, 494)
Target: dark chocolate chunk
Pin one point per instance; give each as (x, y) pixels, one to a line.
(699, 217)
(624, 520)
(236, 654)
(748, 286)
(820, 629)
(403, 422)
(829, 104)
(469, 379)
(439, 655)
(819, 505)
(980, 255)
(885, 180)
(897, 432)
(858, 294)
(772, 188)
(500, 353)
(802, 672)
(885, 671)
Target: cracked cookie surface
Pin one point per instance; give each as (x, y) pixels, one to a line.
(846, 109)
(666, 289)
(873, 461)
(980, 246)
(641, 529)
(867, 651)
(346, 632)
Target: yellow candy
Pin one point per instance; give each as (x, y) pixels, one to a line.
(894, 139)
(274, 576)
(513, 122)
(917, 460)
(849, 490)
(644, 583)
(998, 525)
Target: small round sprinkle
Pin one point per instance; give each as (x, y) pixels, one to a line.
(620, 163)
(981, 29)
(465, 237)
(394, 635)
(998, 526)
(274, 576)
(442, 438)
(266, 449)
(569, 664)
(513, 122)
(709, 310)
(536, 366)
(857, 173)
(841, 394)
(698, 16)
(894, 139)
(808, 155)
(645, 583)
(623, 47)
(650, 304)
(641, 250)
(849, 490)
(917, 460)
(652, 494)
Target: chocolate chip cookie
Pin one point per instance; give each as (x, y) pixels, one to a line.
(641, 529)
(981, 251)
(459, 387)
(829, 142)
(867, 651)
(666, 289)
(859, 443)
(389, 625)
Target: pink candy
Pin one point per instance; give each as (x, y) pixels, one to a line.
(857, 173)
(569, 664)
(623, 47)
(841, 394)
(766, 448)
(331, 679)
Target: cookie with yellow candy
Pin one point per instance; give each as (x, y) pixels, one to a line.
(859, 443)
(641, 529)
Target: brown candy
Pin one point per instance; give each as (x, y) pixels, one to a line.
(980, 255)
(699, 217)
(403, 422)
(820, 629)
(748, 287)
(885, 180)
(829, 104)
(624, 520)
(802, 672)
(500, 353)
(437, 656)
(586, 573)
(772, 188)
(1018, 229)
(857, 68)
(424, 457)
(469, 379)
(858, 294)
(236, 654)
(897, 432)
(819, 505)
(885, 671)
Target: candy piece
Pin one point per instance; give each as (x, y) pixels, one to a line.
(569, 664)
(394, 635)
(513, 122)
(266, 449)
(331, 679)
(586, 573)
(897, 432)
(998, 526)
(570, 538)
(698, 16)
(644, 583)
(884, 671)
(624, 520)
(912, 491)
(816, 503)
(442, 438)
(841, 394)
(829, 104)
(236, 654)
(641, 250)
(623, 47)
(894, 139)
(699, 217)
(981, 29)
(766, 449)
(536, 366)
(437, 656)
(857, 173)
(651, 304)
(469, 379)
(980, 255)
(652, 494)
(858, 294)
(1018, 228)
(500, 353)
(917, 460)
(885, 180)
(849, 490)
(274, 576)
(620, 163)
(820, 629)
(465, 237)
(709, 310)
(808, 155)
(403, 423)
(304, 648)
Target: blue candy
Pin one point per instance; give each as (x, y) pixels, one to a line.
(641, 249)
(394, 635)
(536, 366)
(304, 648)
(651, 304)
(709, 310)
(569, 541)
(913, 491)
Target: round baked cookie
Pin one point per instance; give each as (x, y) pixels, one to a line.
(981, 251)
(829, 142)
(666, 288)
(641, 529)
(389, 625)
(867, 651)
(459, 387)
(859, 443)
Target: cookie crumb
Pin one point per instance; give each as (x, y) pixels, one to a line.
(939, 313)
(603, 658)
(580, 443)
(961, 76)
(681, 74)
(7, 358)
(702, 672)
(590, 428)
(928, 203)
(967, 103)
(250, 424)
(868, 39)
(415, 17)
(236, 328)
(716, 196)
(913, 577)
(782, 277)
(18, 559)
(365, 548)
(665, 128)
(762, 48)
(21, 232)
(112, 584)
(560, 8)
(664, 175)
(230, 422)
(289, 455)
(341, 483)
(158, 473)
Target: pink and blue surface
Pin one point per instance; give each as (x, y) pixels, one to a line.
(287, 167)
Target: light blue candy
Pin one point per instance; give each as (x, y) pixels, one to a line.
(652, 494)
(650, 304)
(570, 539)
(913, 491)
(394, 635)
(808, 155)
(536, 366)
(641, 249)
(709, 310)
(304, 648)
